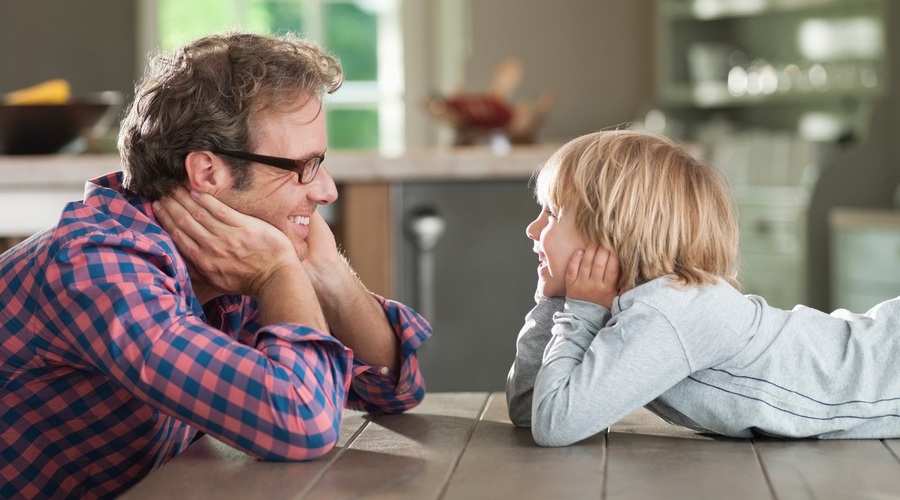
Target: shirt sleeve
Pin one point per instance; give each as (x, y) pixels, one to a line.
(374, 389)
(116, 307)
(597, 369)
(377, 389)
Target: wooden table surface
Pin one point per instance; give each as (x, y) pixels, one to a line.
(462, 446)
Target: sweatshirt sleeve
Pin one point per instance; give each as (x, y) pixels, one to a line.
(530, 345)
(599, 368)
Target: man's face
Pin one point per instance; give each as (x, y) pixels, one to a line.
(275, 195)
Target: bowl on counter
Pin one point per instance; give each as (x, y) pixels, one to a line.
(52, 128)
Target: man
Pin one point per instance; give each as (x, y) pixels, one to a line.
(198, 290)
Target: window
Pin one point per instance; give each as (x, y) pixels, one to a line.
(367, 112)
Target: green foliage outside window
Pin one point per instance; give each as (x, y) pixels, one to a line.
(352, 128)
(349, 32)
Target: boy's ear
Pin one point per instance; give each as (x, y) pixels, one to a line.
(206, 172)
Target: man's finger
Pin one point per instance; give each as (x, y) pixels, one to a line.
(176, 215)
(219, 211)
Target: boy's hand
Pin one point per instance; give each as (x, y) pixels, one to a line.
(593, 275)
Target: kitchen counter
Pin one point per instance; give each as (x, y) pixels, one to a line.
(344, 166)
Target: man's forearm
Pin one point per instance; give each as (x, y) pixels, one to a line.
(288, 297)
(357, 319)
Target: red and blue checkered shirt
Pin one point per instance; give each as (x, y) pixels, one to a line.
(109, 364)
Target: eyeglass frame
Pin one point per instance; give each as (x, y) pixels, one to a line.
(282, 163)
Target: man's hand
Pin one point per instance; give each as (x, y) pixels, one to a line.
(232, 252)
(353, 315)
(235, 253)
(322, 255)
(593, 275)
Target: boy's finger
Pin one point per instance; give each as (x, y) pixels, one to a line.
(599, 263)
(587, 261)
(575, 262)
(611, 275)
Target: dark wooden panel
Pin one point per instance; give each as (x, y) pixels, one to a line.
(365, 234)
(503, 462)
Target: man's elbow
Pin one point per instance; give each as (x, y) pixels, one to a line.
(307, 443)
(303, 447)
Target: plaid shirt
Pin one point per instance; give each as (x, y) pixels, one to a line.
(109, 365)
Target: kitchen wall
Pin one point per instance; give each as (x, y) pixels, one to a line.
(90, 43)
(596, 55)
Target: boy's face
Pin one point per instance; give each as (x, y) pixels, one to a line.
(555, 240)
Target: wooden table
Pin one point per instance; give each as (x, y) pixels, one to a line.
(462, 446)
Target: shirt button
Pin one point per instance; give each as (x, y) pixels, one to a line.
(384, 370)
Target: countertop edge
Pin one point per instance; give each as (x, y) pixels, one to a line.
(447, 164)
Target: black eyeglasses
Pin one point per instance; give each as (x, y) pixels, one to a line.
(306, 170)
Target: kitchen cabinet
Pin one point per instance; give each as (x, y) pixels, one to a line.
(733, 55)
(766, 90)
(865, 248)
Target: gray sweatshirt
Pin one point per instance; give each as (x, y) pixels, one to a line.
(708, 358)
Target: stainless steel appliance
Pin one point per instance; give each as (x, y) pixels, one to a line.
(465, 263)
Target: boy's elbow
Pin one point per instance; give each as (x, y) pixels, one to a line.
(548, 438)
(519, 420)
(554, 430)
(519, 413)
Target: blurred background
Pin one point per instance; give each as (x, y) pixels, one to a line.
(795, 99)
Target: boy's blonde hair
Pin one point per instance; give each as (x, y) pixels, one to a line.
(663, 211)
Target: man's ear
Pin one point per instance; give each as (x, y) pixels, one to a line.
(206, 172)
